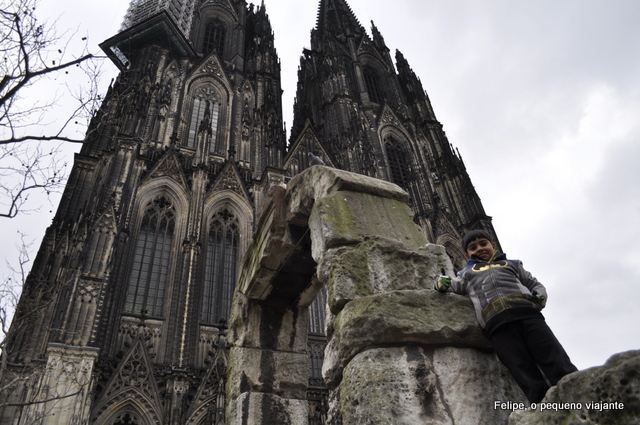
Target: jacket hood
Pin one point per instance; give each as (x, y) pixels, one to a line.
(499, 257)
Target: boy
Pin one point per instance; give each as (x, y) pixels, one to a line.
(508, 300)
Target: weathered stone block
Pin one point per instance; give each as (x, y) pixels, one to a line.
(424, 317)
(472, 381)
(261, 409)
(609, 394)
(376, 266)
(415, 385)
(344, 218)
(269, 246)
(257, 370)
(256, 325)
(278, 268)
(391, 386)
(318, 181)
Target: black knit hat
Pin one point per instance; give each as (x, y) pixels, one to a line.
(472, 235)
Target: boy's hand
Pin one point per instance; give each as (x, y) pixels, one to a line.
(540, 299)
(443, 283)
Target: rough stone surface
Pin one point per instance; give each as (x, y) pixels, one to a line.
(377, 266)
(412, 385)
(284, 374)
(345, 218)
(471, 382)
(399, 353)
(269, 245)
(262, 409)
(278, 265)
(423, 317)
(391, 386)
(617, 381)
(258, 326)
(318, 181)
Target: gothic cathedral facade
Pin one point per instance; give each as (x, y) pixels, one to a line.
(122, 318)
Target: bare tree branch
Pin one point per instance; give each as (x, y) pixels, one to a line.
(25, 168)
(33, 59)
(10, 288)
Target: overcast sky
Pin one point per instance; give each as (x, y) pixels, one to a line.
(542, 98)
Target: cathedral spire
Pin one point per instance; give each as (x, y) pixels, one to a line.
(335, 17)
(378, 39)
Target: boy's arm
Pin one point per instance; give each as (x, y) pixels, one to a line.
(537, 289)
(448, 284)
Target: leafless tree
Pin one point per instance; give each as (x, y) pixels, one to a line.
(25, 168)
(35, 58)
(41, 394)
(35, 62)
(10, 287)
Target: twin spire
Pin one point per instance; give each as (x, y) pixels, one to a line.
(336, 17)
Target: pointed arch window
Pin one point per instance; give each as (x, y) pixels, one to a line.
(317, 313)
(145, 293)
(315, 353)
(294, 168)
(126, 419)
(204, 118)
(215, 34)
(398, 163)
(220, 267)
(372, 82)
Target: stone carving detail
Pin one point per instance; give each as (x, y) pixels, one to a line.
(106, 222)
(229, 180)
(88, 290)
(210, 399)
(212, 66)
(132, 329)
(388, 117)
(126, 419)
(133, 380)
(134, 372)
(168, 166)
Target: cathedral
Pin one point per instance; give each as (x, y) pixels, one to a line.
(123, 317)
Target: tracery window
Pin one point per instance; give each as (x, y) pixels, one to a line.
(214, 37)
(315, 353)
(204, 117)
(126, 419)
(372, 82)
(220, 267)
(145, 293)
(398, 163)
(294, 168)
(317, 313)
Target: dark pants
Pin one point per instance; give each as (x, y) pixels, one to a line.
(529, 349)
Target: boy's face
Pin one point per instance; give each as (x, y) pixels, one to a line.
(481, 248)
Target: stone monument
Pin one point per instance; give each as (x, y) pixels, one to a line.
(399, 353)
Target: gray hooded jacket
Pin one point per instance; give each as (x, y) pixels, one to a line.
(497, 286)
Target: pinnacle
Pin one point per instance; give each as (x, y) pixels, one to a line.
(336, 17)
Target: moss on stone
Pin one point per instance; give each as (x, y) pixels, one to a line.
(376, 266)
(423, 317)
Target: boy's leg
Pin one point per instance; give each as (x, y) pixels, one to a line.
(546, 350)
(513, 352)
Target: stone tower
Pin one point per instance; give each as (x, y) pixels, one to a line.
(359, 112)
(122, 318)
(126, 302)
